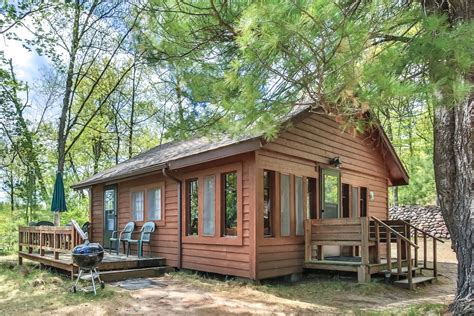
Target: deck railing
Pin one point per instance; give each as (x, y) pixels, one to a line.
(55, 239)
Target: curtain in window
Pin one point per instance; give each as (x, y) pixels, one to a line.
(137, 202)
(299, 205)
(154, 204)
(285, 205)
(209, 206)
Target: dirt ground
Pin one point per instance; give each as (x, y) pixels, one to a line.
(187, 293)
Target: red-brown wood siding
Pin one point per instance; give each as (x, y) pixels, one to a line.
(300, 151)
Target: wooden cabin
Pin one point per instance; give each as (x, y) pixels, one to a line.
(314, 197)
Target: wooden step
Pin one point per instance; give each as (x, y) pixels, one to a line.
(404, 270)
(416, 280)
(118, 275)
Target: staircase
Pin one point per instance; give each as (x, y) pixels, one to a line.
(407, 267)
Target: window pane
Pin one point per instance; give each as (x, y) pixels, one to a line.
(311, 197)
(355, 202)
(331, 193)
(268, 199)
(109, 205)
(299, 205)
(363, 202)
(285, 205)
(209, 205)
(230, 203)
(192, 207)
(137, 205)
(154, 204)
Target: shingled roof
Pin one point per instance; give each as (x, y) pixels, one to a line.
(164, 155)
(174, 155)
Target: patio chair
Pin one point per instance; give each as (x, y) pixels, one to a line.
(124, 236)
(44, 223)
(145, 238)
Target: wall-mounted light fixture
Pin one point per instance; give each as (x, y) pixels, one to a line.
(335, 162)
(372, 195)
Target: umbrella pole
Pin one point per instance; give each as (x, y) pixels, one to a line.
(57, 219)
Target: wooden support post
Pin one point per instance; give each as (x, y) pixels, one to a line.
(409, 271)
(41, 243)
(399, 255)
(425, 252)
(20, 247)
(416, 249)
(308, 248)
(435, 271)
(365, 240)
(389, 249)
(377, 242)
(363, 275)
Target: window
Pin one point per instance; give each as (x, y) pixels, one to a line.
(299, 205)
(138, 200)
(154, 204)
(311, 197)
(192, 207)
(208, 212)
(285, 205)
(355, 202)
(345, 200)
(268, 201)
(363, 202)
(330, 193)
(110, 209)
(229, 199)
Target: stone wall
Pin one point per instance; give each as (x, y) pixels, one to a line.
(428, 218)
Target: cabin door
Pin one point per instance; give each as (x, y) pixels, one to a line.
(110, 213)
(331, 202)
(330, 193)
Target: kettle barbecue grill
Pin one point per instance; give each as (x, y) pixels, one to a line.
(88, 256)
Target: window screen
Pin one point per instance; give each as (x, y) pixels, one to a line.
(154, 204)
(299, 205)
(137, 205)
(209, 210)
(285, 205)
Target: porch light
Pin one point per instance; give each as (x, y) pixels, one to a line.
(336, 162)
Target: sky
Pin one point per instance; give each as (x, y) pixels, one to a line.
(27, 64)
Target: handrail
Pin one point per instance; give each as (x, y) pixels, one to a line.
(395, 232)
(421, 230)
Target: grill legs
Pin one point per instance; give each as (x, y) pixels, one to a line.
(93, 275)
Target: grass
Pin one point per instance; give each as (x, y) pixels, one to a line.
(346, 295)
(26, 288)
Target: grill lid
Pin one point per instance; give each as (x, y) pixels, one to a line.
(88, 248)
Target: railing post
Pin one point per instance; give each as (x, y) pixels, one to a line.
(41, 242)
(377, 241)
(308, 249)
(399, 255)
(409, 271)
(364, 251)
(20, 247)
(389, 249)
(425, 252)
(435, 271)
(416, 249)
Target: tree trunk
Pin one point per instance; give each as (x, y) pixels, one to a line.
(62, 134)
(453, 164)
(453, 175)
(132, 113)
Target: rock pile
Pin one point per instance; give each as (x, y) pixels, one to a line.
(428, 218)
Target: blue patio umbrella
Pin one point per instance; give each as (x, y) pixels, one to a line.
(58, 204)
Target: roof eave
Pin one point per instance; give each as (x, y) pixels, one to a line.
(214, 154)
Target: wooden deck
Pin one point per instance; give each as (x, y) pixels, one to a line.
(52, 246)
(365, 247)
